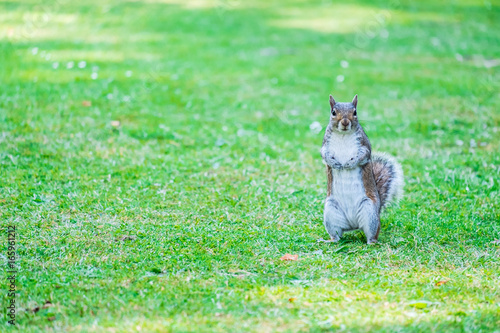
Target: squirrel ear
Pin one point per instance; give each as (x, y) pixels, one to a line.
(355, 101)
(332, 101)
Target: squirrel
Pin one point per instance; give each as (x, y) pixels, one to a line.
(360, 183)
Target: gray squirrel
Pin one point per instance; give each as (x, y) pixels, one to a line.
(360, 183)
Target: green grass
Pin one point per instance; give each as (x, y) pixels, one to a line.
(175, 220)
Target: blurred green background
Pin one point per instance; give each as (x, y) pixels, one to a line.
(159, 157)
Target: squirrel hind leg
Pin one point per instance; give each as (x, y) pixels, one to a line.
(334, 219)
(373, 240)
(369, 220)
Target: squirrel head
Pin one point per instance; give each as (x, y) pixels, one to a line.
(343, 116)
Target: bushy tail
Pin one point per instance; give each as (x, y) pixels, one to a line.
(388, 177)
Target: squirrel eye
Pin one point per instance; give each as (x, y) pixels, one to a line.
(333, 112)
(355, 113)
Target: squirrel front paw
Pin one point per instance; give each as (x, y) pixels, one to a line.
(335, 164)
(350, 164)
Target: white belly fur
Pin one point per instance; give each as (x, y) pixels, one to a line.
(347, 186)
(348, 190)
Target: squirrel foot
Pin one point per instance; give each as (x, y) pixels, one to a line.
(372, 242)
(332, 240)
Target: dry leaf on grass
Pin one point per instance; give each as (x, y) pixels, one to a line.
(290, 257)
(87, 103)
(46, 305)
(292, 299)
(440, 283)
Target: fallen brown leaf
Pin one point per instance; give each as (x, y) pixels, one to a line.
(47, 304)
(290, 257)
(292, 299)
(87, 103)
(440, 283)
(51, 318)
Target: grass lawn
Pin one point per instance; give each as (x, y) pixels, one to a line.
(159, 157)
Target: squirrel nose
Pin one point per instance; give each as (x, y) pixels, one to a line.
(345, 122)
